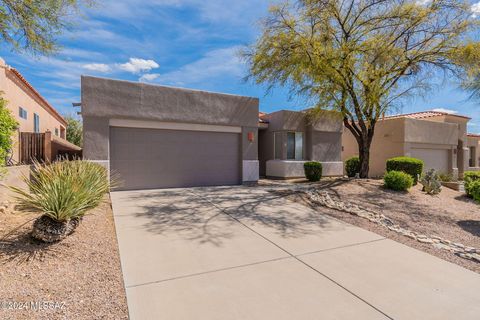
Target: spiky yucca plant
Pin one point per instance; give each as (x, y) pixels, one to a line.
(62, 192)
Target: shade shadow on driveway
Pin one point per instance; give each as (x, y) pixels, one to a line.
(249, 253)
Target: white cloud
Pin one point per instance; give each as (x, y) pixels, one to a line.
(148, 77)
(475, 9)
(445, 110)
(100, 67)
(136, 65)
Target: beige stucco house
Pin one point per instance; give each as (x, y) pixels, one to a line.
(153, 136)
(33, 112)
(439, 139)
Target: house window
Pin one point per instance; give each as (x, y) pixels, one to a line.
(36, 123)
(56, 132)
(471, 161)
(294, 145)
(22, 113)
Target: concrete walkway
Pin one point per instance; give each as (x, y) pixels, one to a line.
(248, 253)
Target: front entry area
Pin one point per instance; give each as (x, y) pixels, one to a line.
(144, 158)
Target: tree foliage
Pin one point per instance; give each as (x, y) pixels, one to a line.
(33, 25)
(361, 57)
(8, 125)
(74, 131)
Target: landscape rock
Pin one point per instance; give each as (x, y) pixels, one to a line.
(323, 198)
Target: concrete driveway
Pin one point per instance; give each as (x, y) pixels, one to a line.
(249, 253)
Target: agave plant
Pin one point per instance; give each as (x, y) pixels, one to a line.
(61, 192)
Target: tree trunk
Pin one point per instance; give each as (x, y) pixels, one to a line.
(364, 155)
(364, 144)
(364, 140)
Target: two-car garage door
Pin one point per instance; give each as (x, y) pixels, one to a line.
(158, 158)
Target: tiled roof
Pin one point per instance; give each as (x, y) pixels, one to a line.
(424, 114)
(473, 135)
(261, 116)
(38, 95)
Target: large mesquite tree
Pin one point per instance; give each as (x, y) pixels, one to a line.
(360, 57)
(34, 25)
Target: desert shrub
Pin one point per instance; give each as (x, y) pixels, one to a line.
(474, 190)
(431, 182)
(445, 177)
(313, 170)
(352, 166)
(398, 180)
(412, 166)
(63, 190)
(470, 178)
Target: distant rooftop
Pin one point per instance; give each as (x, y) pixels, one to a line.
(425, 114)
(261, 117)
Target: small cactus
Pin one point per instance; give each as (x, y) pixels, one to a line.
(431, 182)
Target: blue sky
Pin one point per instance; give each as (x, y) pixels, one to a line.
(185, 43)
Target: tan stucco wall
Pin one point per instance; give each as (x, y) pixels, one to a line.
(400, 136)
(19, 95)
(388, 142)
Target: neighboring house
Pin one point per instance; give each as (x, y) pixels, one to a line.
(439, 139)
(161, 137)
(473, 144)
(34, 115)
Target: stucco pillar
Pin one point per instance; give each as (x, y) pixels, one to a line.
(250, 164)
(96, 135)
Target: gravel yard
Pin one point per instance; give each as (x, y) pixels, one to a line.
(449, 215)
(80, 276)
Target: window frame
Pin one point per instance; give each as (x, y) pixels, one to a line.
(36, 123)
(472, 156)
(296, 156)
(22, 113)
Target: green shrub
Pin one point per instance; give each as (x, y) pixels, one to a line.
(352, 166)
(313, 170)
(63, 190)
(474, 190)
(470, 178)
(412, 166)
(431, 183)
(398, 180)
(445, 177)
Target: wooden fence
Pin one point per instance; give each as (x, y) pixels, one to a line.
(32, 147)
(44, 147)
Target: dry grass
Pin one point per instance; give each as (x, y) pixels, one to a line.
(82, 272)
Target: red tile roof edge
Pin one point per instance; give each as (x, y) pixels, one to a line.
(39, 96)
(425, 114)
(474, 135)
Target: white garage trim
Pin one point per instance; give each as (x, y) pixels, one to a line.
(172, 126)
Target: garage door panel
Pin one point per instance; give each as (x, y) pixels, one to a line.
(433, 158)
(153, 158)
